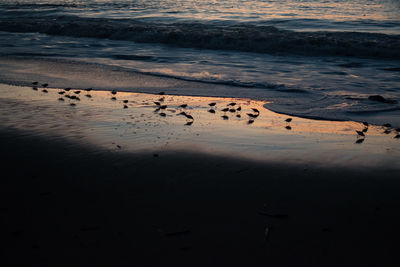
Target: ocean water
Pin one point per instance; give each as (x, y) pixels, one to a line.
(312, 58)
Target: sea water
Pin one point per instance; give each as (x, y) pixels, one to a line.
(312, 58)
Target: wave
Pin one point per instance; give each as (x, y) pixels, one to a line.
(241, 37)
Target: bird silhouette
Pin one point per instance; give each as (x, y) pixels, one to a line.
(360, 133)
(212, 104)
(288, 120)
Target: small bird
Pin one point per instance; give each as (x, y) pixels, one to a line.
(288, 127)
(189, 117)
(211, 110)
(61, 93)
(89, 96)
(125, 101)
(157, 103)
(225, 117)
(366, 124)
(360, 133)
(387, 125)
(88, 89)
(252, 115)
(255, 110)
(45, 84)
(212, 104)
(231, 104)
(183, 106)
(44, 91)
(34, 88)
(67, 89)
(125, 106)
(238, 116)
(61, 99)
(225, 109)
(161, 99)
(163, 107)
(365, 130)
(113, 92)
(72, 104)
(189, 123)
(77, 92)
(359, 141)
(72, 97)
(35, 83)
(288, 120)
(239, 109)
(232, 110)
(113, 98)
(250, 121)
(162, 114)
(387, 131)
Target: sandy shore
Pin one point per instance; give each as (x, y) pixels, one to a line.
(96, 184)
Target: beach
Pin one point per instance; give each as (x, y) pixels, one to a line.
(83, 189)
(199, 133)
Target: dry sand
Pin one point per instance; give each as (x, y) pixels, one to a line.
(99, 185)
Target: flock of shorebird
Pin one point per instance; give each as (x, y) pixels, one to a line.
(231, 108)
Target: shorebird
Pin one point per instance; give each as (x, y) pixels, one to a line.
(183, 106)
(161, 99)
(72, 104)
(359, 141)
(125, 106)
(365, 123)
(360, 133)
(35, 83)
(288, 120)
(231, 104)
(67, 89)
(252, 115)
(225, 109)
(387, 131)
(162, 114)
(232, 110)
(212, 104)
(88, 89)
(157, 103)
(250, 121)
(61, 99)
(225, 117)
(288, 127)
(238, 116)
(182, 113)
(125, 101)
(163, 107)
(89, 96)
(365, 130)
(34, 88)
(211, 110)
(189, 123)
(61, 93)
(189, 117)
(255, 110)
(113, 92)
(45, 84)
(44, 91)
(77, 92)
(239, 109)
(113, 98)
(387, 125)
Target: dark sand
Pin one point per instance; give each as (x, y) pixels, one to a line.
(65, 202)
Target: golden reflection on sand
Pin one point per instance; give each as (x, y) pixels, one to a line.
(243, 127)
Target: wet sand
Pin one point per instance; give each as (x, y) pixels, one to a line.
(97, 184)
